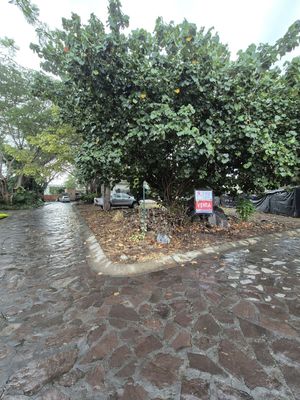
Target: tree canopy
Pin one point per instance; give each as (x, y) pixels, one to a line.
(34, 143)
(171, 107)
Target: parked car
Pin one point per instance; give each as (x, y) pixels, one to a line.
(118, 200)
(64, 198)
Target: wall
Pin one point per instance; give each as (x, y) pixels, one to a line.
(50, 197)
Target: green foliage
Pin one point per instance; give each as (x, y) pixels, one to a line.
(56, 189)
(26, 198)
(22, 199)
(29, 10)
(116, 19)
(245, 209)
(88, 197)
(171, 107)
(71, 182)
(8, 47)
(34, 143)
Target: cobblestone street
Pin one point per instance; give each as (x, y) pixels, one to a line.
(220, 328)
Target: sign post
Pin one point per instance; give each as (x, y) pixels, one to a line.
(204, 201)
(144, 226)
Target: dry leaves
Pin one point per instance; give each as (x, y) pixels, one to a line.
(115, 237)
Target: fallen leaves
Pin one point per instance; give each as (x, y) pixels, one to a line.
(115, 237)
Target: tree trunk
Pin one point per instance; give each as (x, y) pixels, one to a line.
(167, 194)
(93, 185)
(6, 196)
(99, 189)
(19, 182)
(106, 198)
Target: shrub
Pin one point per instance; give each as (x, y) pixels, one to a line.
(28, 198)
(245, 209)
(23, 198)
(88, 198)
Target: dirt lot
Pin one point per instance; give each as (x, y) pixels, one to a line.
(118, 232)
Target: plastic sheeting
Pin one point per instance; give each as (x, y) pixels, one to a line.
(280, 202)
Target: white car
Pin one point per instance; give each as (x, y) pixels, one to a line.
(118, 200)
(64, 198)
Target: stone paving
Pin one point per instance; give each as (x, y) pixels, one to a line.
(219, 328)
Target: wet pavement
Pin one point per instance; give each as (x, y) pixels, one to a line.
(221, 328)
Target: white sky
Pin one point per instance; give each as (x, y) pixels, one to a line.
(239, 22)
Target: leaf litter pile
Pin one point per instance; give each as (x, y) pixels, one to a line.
(119, 231)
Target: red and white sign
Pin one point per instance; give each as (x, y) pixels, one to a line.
(204, 201)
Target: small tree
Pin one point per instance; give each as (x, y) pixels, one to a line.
(34, 143)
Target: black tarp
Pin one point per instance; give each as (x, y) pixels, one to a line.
(280, 202)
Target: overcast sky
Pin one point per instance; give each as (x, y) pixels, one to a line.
(239, 22)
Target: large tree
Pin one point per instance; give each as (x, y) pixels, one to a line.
(172, 107)
(34, 144)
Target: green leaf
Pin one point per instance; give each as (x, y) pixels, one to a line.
(247, 165)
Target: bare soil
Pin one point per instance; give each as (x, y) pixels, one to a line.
(118, 232)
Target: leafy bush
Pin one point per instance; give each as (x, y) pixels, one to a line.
(88, 198)
(26, 198)
(245, 209)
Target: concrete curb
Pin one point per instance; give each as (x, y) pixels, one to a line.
(101, 264)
